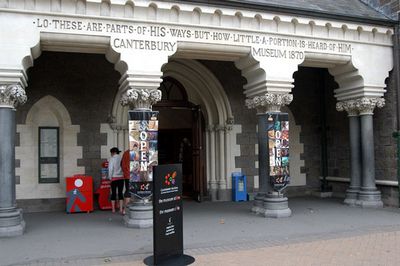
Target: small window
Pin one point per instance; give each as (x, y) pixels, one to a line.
(49, 155)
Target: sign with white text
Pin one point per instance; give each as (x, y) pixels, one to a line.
(167, 208)
(143, 130)
(278, 148)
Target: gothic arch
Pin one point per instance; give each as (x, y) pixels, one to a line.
(48, 111)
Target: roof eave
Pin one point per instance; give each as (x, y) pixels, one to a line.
(297, 11)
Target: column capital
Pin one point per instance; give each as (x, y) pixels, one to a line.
(12, 95)
(366, 105)
(349, 106)
(229, 124)
(269, 102)
(140, 98)
(362, 106)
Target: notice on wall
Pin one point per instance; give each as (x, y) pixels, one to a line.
(278, 148)
(167, 208)
(143, 130)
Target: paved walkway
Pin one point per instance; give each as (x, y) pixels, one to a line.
(320, 232)
(371, 249)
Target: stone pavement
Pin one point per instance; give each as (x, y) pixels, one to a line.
(381, 248)
(320, 232)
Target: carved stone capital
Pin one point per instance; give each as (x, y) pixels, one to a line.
(366, 106)
(269, 102)
(219, 128)
(12, 95)
(349, 106)
(140, 98)
(229, 124)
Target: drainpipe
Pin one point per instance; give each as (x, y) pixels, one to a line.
(396, 76)
(324, 128)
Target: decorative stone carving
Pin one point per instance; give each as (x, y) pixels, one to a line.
(362, 106)
(140, 98)
(366, 106)
(12, 96)
(269, 102)
(229, 124)
(349, 106)
(218, 128)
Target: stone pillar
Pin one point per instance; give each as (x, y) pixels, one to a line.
(355, 150)
(268, 202)
(140, 212)
(221, 163)
(211, 151)
(11, 220)
(369, 195)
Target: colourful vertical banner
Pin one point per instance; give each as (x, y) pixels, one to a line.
(143, 131)
(278, 148)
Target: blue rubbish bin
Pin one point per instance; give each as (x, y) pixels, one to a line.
(239, 191)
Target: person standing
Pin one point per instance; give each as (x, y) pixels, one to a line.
(117, 179)
(125, 164)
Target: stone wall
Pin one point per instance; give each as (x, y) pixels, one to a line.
(306, 107)
(231, 79)
(86, 85)
(385, 144)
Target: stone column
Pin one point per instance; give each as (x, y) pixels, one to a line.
(228, 155)
(268, 202)
(140, 212)
(212, 159)
(11, 220)
(369, 195)
(355, 150)
(221, 163)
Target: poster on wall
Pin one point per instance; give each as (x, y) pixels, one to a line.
(278, 149)
(143, 130)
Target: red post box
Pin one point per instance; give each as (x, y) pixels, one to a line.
(104, 194)
(103, 191)
(79, 193)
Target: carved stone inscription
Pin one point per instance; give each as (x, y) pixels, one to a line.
(132, 35)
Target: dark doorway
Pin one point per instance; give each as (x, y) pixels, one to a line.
(181, 137)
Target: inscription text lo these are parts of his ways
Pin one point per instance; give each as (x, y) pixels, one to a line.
(130, 36)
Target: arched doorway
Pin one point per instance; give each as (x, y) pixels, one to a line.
(181, 137)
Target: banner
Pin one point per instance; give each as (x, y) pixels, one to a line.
(143, 130)
(167, 208)
(278, 148)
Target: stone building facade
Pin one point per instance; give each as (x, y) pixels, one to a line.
(68, 65)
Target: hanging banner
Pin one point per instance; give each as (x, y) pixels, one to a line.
(143, 130)
(278, 148)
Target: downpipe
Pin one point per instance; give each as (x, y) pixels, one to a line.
(396, 76)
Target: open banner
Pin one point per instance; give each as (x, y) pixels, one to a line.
(143, 131)
(278, 148)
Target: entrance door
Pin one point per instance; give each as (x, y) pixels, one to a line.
(181, 137)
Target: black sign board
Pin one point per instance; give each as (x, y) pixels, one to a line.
(278, 148)
(167, 207)
(143, 131)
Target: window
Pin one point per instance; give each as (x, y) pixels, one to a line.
(49, 155)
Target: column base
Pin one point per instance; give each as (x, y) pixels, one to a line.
(370, 199)
(276, 206)
(224, 194)
(214, 194)
(11, 223)
(139, 215)
(351, 197)
(258, 205)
